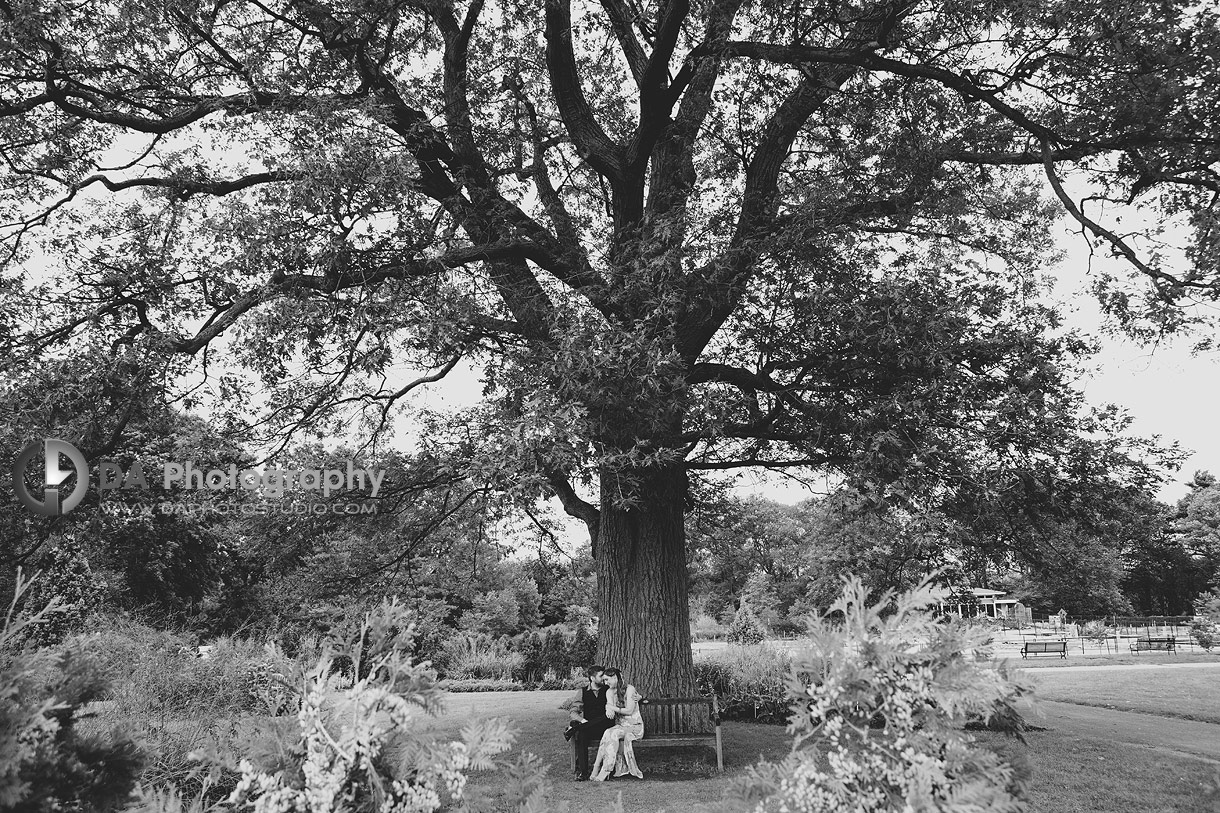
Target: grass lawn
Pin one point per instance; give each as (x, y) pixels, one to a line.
(1069, 773)
(675, 780)
(1193, 694)
(1093, 659)
(1083, 775)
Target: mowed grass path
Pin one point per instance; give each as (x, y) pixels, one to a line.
(1192, 694)
(1069, 773)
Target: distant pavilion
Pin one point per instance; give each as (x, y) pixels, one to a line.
(989, 604)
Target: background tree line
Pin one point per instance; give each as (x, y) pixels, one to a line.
(469, 559)
(786, 561)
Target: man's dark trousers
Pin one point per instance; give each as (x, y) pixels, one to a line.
(588, 733)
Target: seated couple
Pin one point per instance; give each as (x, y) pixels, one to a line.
(607, 710)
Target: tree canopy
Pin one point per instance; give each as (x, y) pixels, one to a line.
(677, 236)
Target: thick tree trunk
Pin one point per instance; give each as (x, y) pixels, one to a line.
(642, 582)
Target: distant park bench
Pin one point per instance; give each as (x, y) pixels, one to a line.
(1059, 648)
(1167, 644)
(677, 722)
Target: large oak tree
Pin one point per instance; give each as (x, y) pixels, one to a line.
(678, 236)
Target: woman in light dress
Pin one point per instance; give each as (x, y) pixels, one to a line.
(615, 751)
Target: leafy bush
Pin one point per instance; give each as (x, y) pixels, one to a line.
(1203, 636)
(746, 629)
(583, 651)
(431, 630)
(46, 763)
(151, 671)
(175, 702)
(529, 644)
(481, 657)
(551, 683)
(557, 651)
(1096, 631)
(553, 653)
(878, 708)
(477, 685)
(66, 576)
(1208, 606)
(705, 628)
(787, 628)
(497, 613)
(750, 682)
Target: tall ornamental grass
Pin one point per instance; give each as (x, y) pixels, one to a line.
(751, 682)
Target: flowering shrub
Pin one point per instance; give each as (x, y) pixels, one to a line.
(878, 705)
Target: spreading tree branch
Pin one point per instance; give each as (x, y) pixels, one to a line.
(591, 140)
(574, 506)
(1119, 244)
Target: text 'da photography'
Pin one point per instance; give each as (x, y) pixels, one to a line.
(184, 487)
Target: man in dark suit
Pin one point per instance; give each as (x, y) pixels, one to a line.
(588, 718)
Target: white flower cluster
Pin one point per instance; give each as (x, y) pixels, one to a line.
(423, 793)
(264, 793)
(327, 772)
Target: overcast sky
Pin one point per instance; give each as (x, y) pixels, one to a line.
(1167, 389)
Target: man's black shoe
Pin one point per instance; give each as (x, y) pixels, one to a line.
(569, 732)
(580, 777)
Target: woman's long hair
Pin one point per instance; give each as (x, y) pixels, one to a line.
(620, 691)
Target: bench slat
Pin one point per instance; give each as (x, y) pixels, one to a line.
(677, 740)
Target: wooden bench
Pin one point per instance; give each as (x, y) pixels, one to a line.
(1167, 644)
(1045, 648)
(674, 722)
